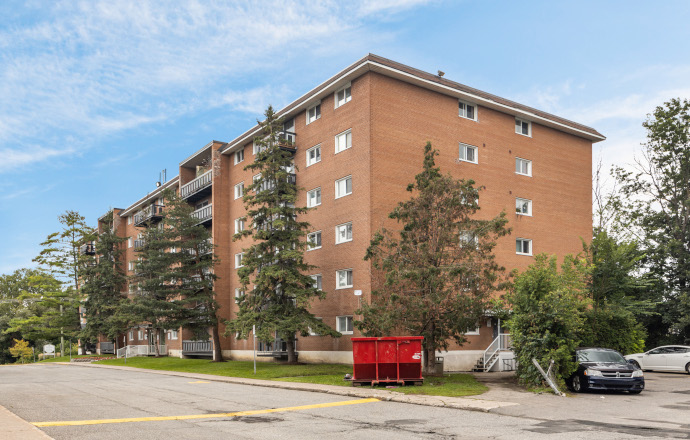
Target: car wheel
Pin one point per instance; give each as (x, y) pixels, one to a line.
(577, 384)
(687, 368)
(635, 364)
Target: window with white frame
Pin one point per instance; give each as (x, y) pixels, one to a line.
(523, 166)
(474, 332)
(238, 260)
(343, 141)
(523, 246)
(172, 334)
(239, 225)
(314, 198)
(239, 156)
(257, 147)
(131, 266)
(318, 283)
(314, 240)
(343, 279)
(131, 335)
(343, 233)
(129, 219)
(314, 113)
(344, 324)
(239, 190)
(468, 238)
(314, 155)
(311, 332)
(523, 127)
(523, 206)
(343, 187)
(468, 153)
(140, 335)
(467, 110)
(239, 293)
(343, 95)
(129, 242)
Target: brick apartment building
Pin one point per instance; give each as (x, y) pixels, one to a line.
(359, 140)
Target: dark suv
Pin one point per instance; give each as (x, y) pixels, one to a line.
(604, 369)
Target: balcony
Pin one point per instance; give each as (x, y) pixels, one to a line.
(204, 248)
(197, 348)
(139, 245)
(204, 215)
(287, 141)
(198, 188)
(150, 214)
(88, 248)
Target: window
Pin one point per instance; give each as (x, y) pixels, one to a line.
(523, 246)
(129, 219)
(343, 233)
(239, 156)
(343, 95)
(468, 238)
(467, 110)
(314, 198)
(468, 153)
(523, 206)
(239, 225)
(474, 332)
(173, 250)
(317, 281)
(239, 293)
(523, 127)
(238, 260)
(312, 333)
(314, 240)
(344, 279)
(523, 166)
(172, 334)
(239, 190)
(131, 266)
(344, 324)
(140, 335)
(129, 242)
(314, 155)
(314, 113)
(343, 141)
(131, 335)
(343, 187)
(257, 147)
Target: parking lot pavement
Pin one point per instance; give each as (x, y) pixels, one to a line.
(664, 406)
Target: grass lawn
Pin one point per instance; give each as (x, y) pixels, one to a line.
(453, 385)
(66, 358)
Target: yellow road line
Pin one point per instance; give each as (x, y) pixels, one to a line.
(203, 416)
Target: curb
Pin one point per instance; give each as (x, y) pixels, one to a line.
(463, 403)
(16, 428)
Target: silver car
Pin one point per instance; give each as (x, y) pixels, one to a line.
(665, 358)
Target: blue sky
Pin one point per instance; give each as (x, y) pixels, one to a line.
(97, 97)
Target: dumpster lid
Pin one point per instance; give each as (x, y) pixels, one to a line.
(388, 338)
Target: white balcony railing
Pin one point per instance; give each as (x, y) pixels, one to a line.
(203, 214)
(141, 350)
(196, 185)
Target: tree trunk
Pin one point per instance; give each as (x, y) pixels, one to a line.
(290, 343)
(430, 352)
(217, 353)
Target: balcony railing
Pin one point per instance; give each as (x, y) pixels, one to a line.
(197, 188)
(139, 245)
(287, 141)
(204, 248)
(197, 348)
(88, 248)
(152, 213)
(204, 214)
(141, 350)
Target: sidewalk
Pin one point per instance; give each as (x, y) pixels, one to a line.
(16, 428)
(466, 403)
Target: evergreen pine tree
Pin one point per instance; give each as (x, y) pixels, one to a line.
(279, 302)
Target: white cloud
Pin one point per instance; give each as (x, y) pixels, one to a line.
(94, 68)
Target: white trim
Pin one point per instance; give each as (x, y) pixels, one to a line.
(336, 187)
(337, 280)
(465, 146)
(346, 98)
(476, 108)
(309, 240)
(236, 154)
(235, 190)
(337, 233)
(316, 277)
(238, 261)
(344, 133)
(474, 332)
(317, 116)
(337, 324)
(309, 205)
(530, 246)
(314, 148)
(530, 166)
(523, 121)
(529, 206)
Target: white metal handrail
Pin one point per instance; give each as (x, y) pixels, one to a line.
(195, 185)
(502, 342)
(141, 350)
(203, 214)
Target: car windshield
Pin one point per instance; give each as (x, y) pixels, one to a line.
(599, 356)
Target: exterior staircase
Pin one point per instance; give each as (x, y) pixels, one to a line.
(493, 353)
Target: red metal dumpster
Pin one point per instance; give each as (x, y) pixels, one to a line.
(395, 359)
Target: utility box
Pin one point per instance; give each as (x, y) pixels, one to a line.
(393, 359)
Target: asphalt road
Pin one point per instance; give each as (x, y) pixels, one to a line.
(140, 405)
